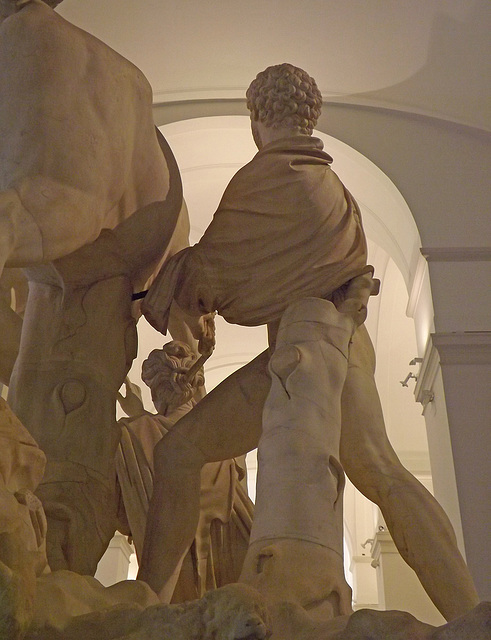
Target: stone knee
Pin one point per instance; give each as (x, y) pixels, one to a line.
(375, 473)
(174, 456)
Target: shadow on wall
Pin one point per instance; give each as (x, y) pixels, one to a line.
(459, 53)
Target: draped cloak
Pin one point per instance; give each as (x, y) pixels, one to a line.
(286, 228)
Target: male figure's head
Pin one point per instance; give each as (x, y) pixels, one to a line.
(164, 371)
(284, 101)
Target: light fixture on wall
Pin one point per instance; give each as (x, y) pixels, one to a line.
(407, 378)
(410, 375)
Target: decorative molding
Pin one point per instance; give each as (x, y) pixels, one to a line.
(423, 391)
(237, 94)
(463, 347)
(357, 560)
(416, 286)
(457, 254)
(383, 543)
(365, 588)
(120, 543)
(208, 94)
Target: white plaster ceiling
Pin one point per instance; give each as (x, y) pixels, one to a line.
(428, 56)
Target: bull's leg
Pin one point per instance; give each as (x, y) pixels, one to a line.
(76, 348)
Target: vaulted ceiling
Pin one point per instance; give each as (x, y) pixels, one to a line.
(424, 56)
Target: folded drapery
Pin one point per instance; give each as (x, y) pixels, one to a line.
(286, 228)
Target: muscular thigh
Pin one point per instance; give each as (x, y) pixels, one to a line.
(226, 423)
(365, 448)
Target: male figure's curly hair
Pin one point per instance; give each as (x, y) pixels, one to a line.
(285, 96)
(164, 371)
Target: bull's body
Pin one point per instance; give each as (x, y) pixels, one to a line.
(78, 151)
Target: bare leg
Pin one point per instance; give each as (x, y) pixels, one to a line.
(225, 424)
(419, 526)
(74, 355)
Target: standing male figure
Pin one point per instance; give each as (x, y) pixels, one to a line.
(286, 228)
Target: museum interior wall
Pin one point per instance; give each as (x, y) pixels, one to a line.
(407, 119)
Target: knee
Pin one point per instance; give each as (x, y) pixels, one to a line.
(375, 474)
